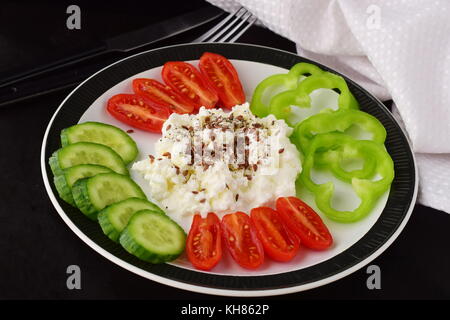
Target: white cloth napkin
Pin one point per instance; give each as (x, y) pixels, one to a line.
(397, 49)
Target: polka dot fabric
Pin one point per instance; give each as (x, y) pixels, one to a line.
(397, 49)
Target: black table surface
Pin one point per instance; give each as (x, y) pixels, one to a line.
(36, 246)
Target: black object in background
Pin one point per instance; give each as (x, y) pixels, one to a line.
(29, 52)
(125, 42)
(34, 33)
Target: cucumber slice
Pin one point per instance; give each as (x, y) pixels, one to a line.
(114, 218)
(102, 133)
(65, 181)
(93, 194)
(153, 237)
(86, 153)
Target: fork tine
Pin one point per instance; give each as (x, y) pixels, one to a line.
(218, 26)
(229, 34)
(239, 14)
(250, 23)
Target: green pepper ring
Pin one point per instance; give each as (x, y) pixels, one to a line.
(288, 80)
(280, 105)
(367, 189)
(338, 121)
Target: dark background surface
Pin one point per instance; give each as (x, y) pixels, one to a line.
(36, 247)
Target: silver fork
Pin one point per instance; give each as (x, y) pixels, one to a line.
(238, 21)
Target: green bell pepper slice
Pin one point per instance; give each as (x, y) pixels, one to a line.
(280, 105)
(338, 121)
(267, 88)
(368, 185)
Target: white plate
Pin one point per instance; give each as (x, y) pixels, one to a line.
(251, 73)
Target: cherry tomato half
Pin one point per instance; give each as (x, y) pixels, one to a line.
(223, 77)
(304, 222)
(280, 243)
(188, 82)
(135, 111)
(204, 242)
(162, 96)
(239, 235)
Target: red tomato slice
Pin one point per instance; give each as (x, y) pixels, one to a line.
(305, 222)
(162, 96)
(280, 243)
(223, 77)
(188, 82)
(134, 110)
(204, 243)
(239, 235)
